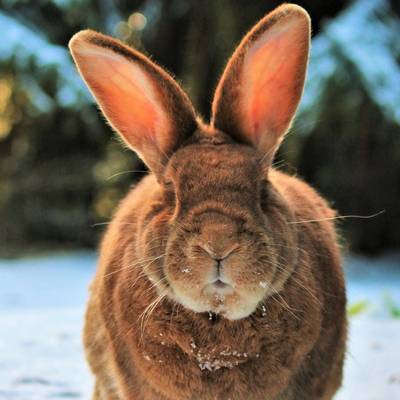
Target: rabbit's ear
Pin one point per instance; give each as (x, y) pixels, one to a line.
(139, 99)
(261, 87)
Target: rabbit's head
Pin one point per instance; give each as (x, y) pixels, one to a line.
(217, 233)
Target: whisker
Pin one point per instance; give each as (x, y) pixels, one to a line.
(132, 266)
(125, 172)
(284, 304)
(153, 285)
(144, 317)
(112, 222)
(140, 275)
(300, 284)
(286, 247)
(338, 217)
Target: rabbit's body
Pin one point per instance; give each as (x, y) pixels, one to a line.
(292, 348)
(219, 277)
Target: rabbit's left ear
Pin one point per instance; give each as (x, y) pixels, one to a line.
(259, 92)
(140, 100)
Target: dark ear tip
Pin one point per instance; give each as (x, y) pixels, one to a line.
(289, 10)
(285, 14)
(82, 36)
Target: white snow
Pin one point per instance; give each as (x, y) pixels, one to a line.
(41, 315)
(372, 369)
(263, 284)
(264, 311)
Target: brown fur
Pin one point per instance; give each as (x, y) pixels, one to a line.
(281, 334)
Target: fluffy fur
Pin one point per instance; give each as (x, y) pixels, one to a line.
(219, 277)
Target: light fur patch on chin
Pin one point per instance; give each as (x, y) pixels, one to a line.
(189, 303)
(240, 310)
(237, 310)
(234, 309)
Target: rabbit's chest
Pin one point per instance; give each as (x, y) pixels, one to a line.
(208, 371)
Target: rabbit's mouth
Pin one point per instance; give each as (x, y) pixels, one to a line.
(219, 293)
(219, 286)
(219, 297)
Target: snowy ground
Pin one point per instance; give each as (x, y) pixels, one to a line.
(41, 310)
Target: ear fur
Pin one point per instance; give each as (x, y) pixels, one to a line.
(139, 99)
(259, 92)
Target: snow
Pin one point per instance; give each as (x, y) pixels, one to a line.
(41, 313)
(264, 311)
(372, 366)
(263, 284)
(372, 362)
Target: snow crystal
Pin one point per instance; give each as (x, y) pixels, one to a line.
(207, 362)
(264, 311)
(263, 284)
(214, 365)
(213, 362)
(219, 297)
(186, 270)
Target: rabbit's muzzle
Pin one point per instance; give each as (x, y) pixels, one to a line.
(221, 269)
(218, 242)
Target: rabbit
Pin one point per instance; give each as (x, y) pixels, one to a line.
(219, 277)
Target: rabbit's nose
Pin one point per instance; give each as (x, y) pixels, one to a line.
(216, 253)
(218, 236)
(217, 277)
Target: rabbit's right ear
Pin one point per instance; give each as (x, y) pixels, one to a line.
(139, 99)
(261, 87)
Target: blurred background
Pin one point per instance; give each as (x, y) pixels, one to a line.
(62, 171)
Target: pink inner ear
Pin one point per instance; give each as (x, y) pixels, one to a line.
(272, 81)
(126, 96)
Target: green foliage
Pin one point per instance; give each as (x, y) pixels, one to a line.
(357, 308)
(391, 305)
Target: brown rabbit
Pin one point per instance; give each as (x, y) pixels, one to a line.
(219, 277)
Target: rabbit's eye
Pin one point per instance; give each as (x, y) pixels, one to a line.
(168, 185)
(169, 192)
(264, 192)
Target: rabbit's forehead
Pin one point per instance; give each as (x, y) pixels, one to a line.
(226, 163)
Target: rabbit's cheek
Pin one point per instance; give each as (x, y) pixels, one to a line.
(248, 273)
